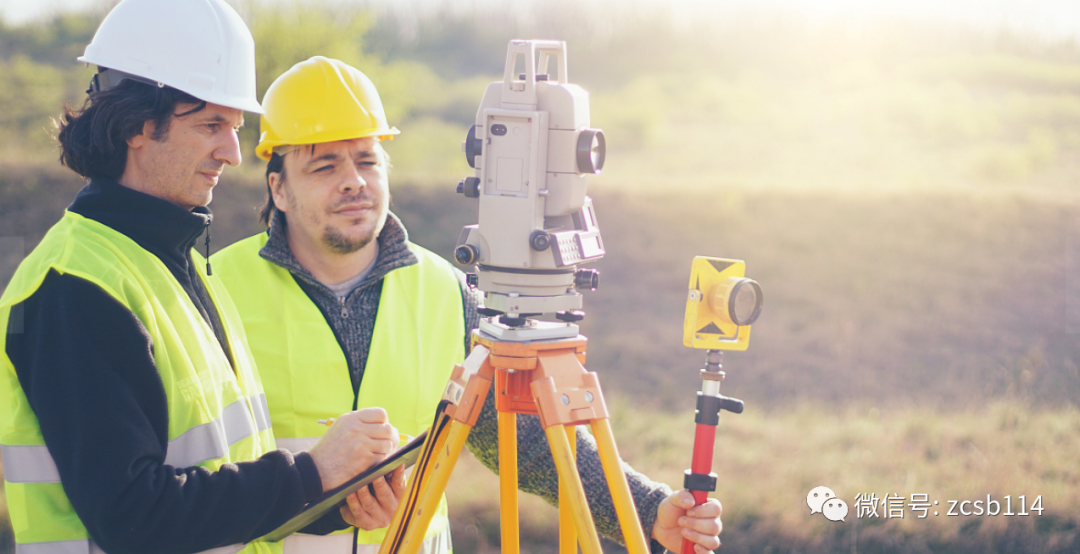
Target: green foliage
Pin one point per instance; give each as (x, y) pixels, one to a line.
(754, 98)
(57, 41)
(418, 154)
(1002, 71)
(30, 96)
(291, 32)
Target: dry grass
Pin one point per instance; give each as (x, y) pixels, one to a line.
(905, 341)
(767, 462)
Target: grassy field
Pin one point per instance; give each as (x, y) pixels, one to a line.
(767, 462)
(911, 343)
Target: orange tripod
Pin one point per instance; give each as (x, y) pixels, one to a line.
(543, 377)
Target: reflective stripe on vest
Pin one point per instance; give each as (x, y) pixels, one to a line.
(83, 546)
(418, 337)
(300, 543)
(296, 445)
(87, 546)
(212, 440)
(34, 464)
(217, 411)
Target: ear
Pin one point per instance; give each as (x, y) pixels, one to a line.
(277, 192)
(137, 141)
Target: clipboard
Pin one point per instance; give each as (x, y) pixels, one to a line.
(331, 500)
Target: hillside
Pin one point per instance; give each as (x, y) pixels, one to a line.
(932, 299)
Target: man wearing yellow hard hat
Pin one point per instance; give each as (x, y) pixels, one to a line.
(343, 312)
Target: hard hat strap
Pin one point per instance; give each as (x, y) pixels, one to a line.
(107, 78)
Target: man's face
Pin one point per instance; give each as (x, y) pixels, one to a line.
(184, 166)
(334, 195)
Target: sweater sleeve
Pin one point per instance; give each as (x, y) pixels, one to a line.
(536, 468)
(537, 474)
(87, 367)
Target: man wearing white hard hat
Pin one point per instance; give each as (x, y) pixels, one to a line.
(341, 310)
(133, 418)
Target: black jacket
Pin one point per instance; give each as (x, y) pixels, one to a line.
(87, 367)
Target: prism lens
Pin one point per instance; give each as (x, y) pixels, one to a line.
(744, 304)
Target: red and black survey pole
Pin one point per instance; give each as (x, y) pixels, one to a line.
(699, 479)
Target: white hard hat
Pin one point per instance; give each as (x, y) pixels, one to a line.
(201, 47)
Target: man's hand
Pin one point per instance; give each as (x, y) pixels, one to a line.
(677, 518)
(355, 442)
(374, 511)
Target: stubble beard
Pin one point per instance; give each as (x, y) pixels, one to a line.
(332, 238)
(339, 243)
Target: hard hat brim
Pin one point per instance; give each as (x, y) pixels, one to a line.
(265, 148)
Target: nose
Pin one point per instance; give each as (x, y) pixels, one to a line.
(228, 150)
(353, 180)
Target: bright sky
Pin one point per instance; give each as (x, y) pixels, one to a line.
(1051, 18)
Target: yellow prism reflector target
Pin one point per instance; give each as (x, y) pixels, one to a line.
(721, 305)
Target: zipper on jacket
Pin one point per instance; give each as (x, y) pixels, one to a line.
(208, 270)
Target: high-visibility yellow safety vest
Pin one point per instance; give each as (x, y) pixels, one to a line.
(216, 415)
(419, 336)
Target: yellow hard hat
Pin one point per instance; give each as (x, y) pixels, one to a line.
(320, 100)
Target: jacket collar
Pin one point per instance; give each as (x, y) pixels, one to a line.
(156, 225)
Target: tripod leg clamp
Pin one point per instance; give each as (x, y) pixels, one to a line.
(699, 481)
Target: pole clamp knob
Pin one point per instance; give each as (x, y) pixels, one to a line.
(699, 481)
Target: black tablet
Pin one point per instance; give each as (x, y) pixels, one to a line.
(405, 455)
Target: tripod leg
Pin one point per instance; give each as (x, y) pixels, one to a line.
(435, 486)
(417, 482)
(564, 463)
(620, 490)
(508, 482)
(567, 535)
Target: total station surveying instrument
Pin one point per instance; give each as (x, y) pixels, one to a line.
(533, 150)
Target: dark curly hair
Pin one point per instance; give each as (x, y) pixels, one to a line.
(93, 139)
